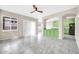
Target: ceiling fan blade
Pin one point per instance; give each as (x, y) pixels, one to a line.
(40, 11)
(32, 12)
(34, 6)
(36, 9)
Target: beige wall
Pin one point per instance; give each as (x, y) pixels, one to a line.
(12, 34)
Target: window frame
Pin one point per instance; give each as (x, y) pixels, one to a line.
(8, 19)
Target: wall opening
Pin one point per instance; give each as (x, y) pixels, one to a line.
(29, 28)
(69, 27)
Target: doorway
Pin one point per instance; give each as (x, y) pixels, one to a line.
(69, 28)
(51, 29)
(29, 28)
(72, 29)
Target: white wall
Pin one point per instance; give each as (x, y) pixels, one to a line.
(48, 25)
(49, 22)
(77, 29)
(77, 26)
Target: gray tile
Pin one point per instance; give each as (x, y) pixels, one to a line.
(30, 45)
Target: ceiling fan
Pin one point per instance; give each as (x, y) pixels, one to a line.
(36, 9)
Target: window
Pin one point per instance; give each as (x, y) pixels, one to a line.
(9, 23)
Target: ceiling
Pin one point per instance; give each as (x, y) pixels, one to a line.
(26, 9)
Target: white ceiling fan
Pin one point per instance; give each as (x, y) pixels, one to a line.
(36, 9)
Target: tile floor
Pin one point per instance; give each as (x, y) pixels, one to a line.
(30, 45)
